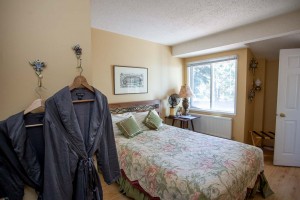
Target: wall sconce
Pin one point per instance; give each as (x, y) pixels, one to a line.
(253, 65)
(251, 94)
(256, 87)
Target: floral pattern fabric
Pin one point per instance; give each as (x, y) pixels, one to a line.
(175, 163)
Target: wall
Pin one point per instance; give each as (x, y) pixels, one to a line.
(239, 122)
(259, 96)
(44, 30)
(271, 85)
(249, 106)
(165, 73)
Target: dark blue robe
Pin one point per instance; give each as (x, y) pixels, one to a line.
(21, 155)
(73, 133)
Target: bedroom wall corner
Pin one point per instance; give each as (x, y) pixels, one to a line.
(270, 101)
(260, 96)
(249, 105)
(44, 30)
(165, 72)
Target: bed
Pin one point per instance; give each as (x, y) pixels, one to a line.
(173, 163)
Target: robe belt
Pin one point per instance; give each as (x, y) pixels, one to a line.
(91, 179)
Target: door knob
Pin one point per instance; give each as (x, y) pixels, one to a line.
(282, 115)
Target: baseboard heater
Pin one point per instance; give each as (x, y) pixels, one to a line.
(213, 125)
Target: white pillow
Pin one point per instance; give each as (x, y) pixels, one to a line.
(115, 118)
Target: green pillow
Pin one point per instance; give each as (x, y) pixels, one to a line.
(129, 127)
(153, 121)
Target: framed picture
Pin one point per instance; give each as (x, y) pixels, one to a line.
(130, 80)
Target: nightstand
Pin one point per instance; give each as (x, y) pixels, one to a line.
(184, 120)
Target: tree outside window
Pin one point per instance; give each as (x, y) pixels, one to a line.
(214, 84)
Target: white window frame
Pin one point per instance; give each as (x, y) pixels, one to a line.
(190, 64)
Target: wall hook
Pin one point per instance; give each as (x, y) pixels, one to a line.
(78, 52)
(38, 67)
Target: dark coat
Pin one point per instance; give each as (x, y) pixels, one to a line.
(73, 133)
(21, 155)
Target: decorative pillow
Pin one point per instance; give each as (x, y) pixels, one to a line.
(115, 118)
(129, 127)
(153, 121)
(140, 117)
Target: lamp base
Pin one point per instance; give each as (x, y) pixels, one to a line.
(185, 105)
(172, 111)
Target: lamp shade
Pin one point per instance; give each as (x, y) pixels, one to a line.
(186, 92)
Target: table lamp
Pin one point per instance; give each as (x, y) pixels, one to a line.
(185, 93)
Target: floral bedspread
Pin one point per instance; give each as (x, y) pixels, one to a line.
(174, 163)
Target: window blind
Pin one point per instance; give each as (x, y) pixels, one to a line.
(209, 61)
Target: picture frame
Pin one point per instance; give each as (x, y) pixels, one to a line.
(130, 80)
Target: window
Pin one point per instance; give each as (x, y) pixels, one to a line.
(214, 84)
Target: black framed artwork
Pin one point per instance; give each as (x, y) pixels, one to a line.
(130, 80)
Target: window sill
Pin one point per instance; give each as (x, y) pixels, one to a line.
(209, 112)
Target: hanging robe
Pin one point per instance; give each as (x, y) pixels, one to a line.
(21, 155)
(73, 134)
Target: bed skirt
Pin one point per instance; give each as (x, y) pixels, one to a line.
(262, 186)
(133, 189)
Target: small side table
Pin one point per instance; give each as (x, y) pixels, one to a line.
(184, 120)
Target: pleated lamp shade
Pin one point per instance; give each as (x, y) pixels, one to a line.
(186, 92)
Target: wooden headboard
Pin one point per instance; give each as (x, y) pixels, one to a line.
(135, 106)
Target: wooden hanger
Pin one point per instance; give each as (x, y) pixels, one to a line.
(37, 105)
(33, 125)
(81, 82)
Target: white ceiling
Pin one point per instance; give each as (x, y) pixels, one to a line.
(175, 22)
(270, 48)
